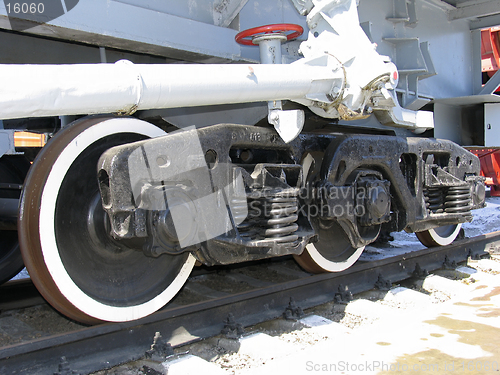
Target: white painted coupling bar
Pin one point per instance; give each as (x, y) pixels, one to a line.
(123, 87)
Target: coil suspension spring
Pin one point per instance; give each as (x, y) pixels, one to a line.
(271, 216)
(453, 199)
(434, 199)
(457, 199)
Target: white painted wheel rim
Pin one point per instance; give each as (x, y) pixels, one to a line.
(48, 242)
(446, 239)
(330, 266)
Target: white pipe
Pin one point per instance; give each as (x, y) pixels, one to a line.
(55, 90)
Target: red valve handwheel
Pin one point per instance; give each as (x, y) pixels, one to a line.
(245, 37)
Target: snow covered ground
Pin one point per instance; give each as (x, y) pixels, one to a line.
(485, 220)
(22, 275)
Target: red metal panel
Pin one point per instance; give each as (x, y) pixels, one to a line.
(490, 167)
(490, 51)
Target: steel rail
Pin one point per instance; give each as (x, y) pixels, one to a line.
(95, 348)
(17, 294)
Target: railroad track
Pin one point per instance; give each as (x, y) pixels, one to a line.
(18, 294)
(251, 293)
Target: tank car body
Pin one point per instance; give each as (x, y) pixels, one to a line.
(185, 132)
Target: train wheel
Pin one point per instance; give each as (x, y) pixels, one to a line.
(440, 236)
(12, 172)
(64, 232)
(332, 253)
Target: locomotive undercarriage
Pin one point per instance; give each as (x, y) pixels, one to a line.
(115, 212)
(244, 194)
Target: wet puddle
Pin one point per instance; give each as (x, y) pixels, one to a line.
(487, 297)
(383, 343)
(489, 309)
(437, 335)
(437, 362)
(492, 312)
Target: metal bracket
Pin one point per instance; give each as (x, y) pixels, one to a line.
(293, 312)
(404, 11)
(160, 349)
(382, 283)
(303, 6)
(388, 111)
(64, 368)
(492, 85)
(449, 265)
(232, 330)
(419, 272)
(288, 124)
(343, 295)
(226, 11)
(7, 143)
